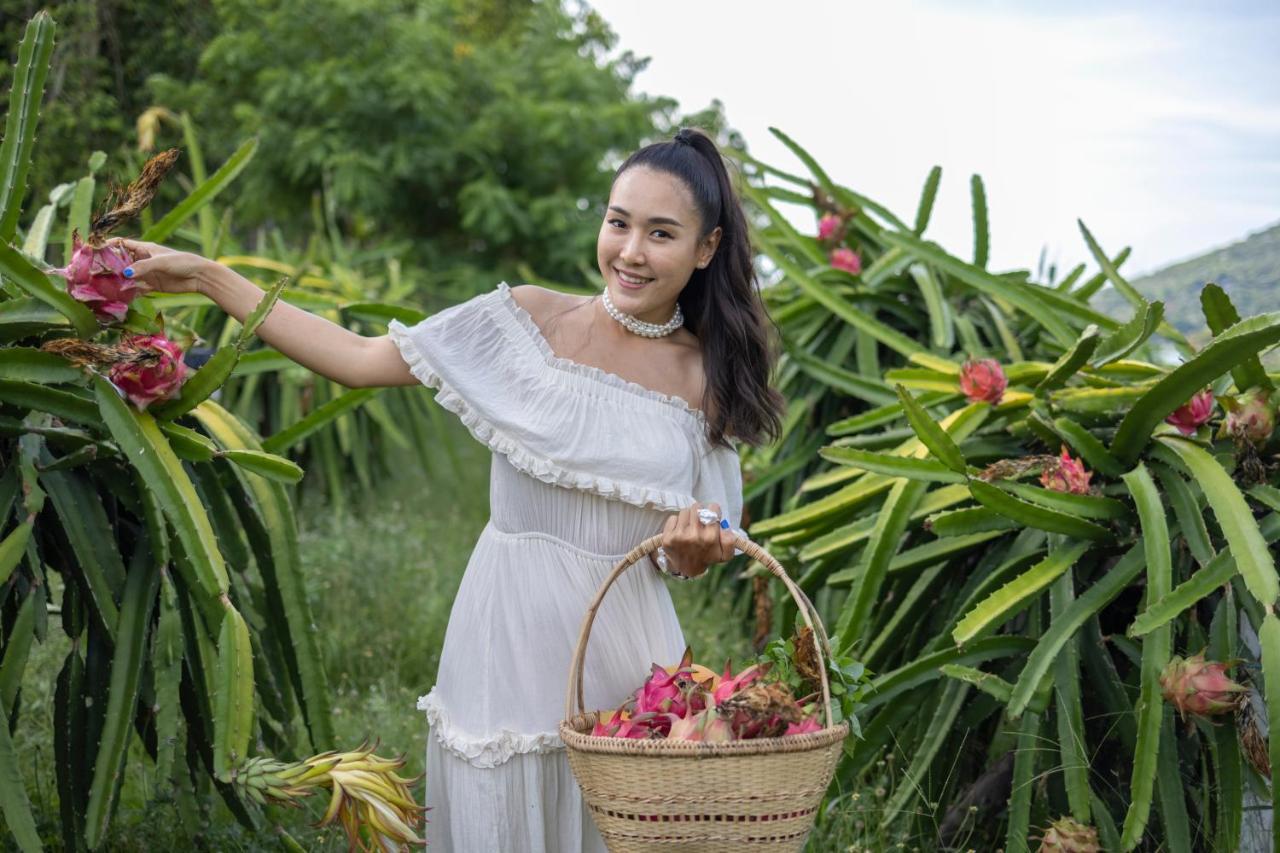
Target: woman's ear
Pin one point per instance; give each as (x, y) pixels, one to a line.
(708, 248)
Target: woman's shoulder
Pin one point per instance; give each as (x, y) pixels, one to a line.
(539, 301)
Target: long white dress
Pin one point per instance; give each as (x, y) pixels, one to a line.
(585, 465)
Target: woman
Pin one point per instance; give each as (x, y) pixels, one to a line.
(610, 418)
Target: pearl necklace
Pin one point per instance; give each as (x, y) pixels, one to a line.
(640, 327)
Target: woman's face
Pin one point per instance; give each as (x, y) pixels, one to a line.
(649, 243)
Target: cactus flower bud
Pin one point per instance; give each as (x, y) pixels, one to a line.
(1068, 475)
(1250, 417)
(1190, 415)
(153, 370)
(1200, 687)
(95, 278)
(1066, 835)
(847, 260)
(983, 380)
(829, 226)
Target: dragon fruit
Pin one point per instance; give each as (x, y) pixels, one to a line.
(707, 726)
(95, 277)
(151, 369)
(1251, 417)
(761, 710)
(829, 226)
(805, 726)
(983, 380)
(1200, 687)
(1066, 475)
(847, 260)
(1066, 835)
(1190, 415)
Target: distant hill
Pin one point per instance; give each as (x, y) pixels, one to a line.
(1248, 270)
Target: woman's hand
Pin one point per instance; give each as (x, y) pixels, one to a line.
(166, 270)
(690, 545)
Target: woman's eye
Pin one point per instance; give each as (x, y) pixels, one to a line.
(616, 222)
(662, 233)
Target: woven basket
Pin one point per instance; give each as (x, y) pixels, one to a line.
(650, 795)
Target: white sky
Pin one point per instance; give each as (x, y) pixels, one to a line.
(1157, 124)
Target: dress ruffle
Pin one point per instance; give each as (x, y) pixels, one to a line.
(494, 427)
(490, 750)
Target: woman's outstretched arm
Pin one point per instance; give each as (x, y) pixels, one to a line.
(317, 344)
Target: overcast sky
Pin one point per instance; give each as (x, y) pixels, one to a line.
(1157, 124)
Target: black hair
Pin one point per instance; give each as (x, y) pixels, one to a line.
(721, 303)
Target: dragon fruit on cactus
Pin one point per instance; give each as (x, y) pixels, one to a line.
(1251, 417)
(1066, 835)
(829, 226)
(847, 260)
(152, 370)
(1190, 415)
(983, 380)
(1068, 475)
(95, 278)
(1200, 687)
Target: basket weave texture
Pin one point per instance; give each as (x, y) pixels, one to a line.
(693, 797)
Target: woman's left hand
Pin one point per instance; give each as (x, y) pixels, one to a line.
(690, 545)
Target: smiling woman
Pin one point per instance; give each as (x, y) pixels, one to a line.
(610, 419)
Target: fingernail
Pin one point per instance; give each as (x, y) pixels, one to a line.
(724, 523)
(128, 272)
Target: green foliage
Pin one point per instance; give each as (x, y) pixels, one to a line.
(1022, 580)
(476, 136)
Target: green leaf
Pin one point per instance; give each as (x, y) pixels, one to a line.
(1245, 540)
(66, 405)
(1045, 305)
(926, 667)
(1221, 315)
(942, 331)
(1070, 714)
(203, 194)
(1022, 784)
(1036, 516)
(1072, 360)
(17, 269)
(13, 790)
(200, 385)
(32, 365)
(259, 313)
(149, 452)
(1089, 448)
(892, 466)
(873, 391)
(927, 196)
(1017, 593)
(1087, 506)
(1269, 639)
(233, 714)
(187, 443)
(1155, 654)
(25, 96)
(1241, 342)
(1186, 509)
(1098, 595)
(989, 683)
(268, 465)
(1220, 570)
(282, 561)
(981, 235)
(322, 416)
(127, 664)
(930, 433)
(1133, 334)
(968, 521)
(831, 187)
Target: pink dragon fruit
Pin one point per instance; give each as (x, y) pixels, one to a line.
(1201, 687)
(1251, 417)
(95, 278)
(706, 726)
(1068, 475)
(805, 726)
(983, 380)
(154, 370)
(731, 684)
(829, 226)
(846, 259)
(1190, 415)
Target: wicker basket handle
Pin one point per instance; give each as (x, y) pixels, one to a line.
(821, 644)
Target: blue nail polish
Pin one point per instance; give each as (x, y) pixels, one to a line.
(724, 523)
(128, 272)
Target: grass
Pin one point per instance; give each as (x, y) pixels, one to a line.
(381, 578)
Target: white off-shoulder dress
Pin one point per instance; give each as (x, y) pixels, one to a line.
(585, 465)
